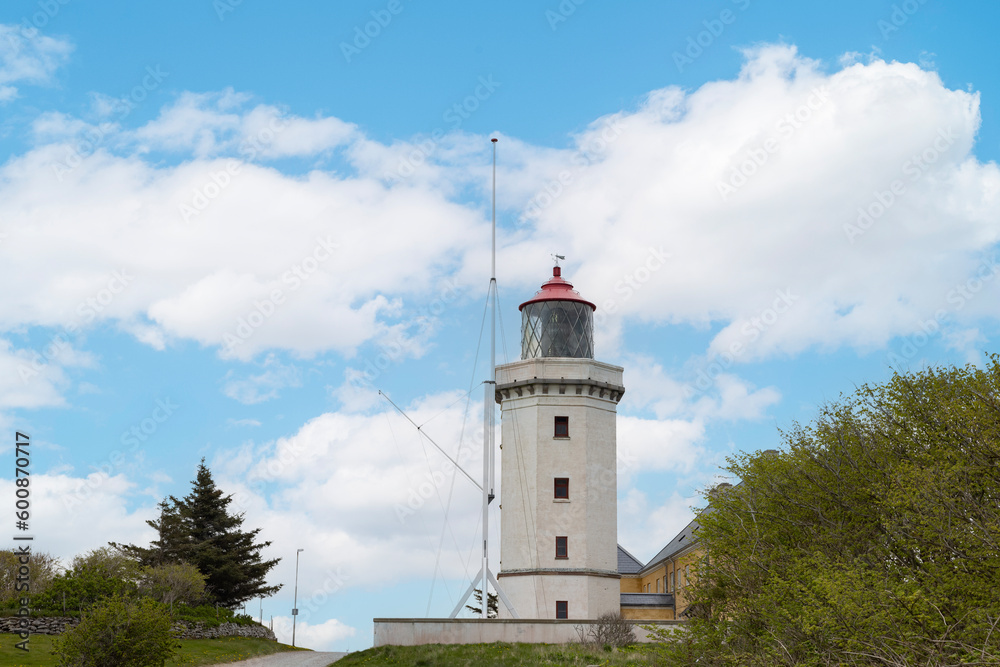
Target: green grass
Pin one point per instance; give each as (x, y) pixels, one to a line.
(499, 655)
(193, 652)
(39, 651)
(229, 649)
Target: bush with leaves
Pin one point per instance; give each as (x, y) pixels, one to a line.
(173, 582)
(119, 632)
(872, 539)
(43, 569)
(93, 576)
(210, 616)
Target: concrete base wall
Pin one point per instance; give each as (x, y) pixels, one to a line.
(418, 631)
(536, 596)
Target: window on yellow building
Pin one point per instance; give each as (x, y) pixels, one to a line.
(657, 585)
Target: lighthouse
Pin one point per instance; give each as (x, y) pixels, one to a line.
(558, 408)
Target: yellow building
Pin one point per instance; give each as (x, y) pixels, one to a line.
(658, 589)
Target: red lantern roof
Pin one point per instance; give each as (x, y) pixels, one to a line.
(557, 289)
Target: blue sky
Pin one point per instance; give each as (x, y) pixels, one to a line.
(227, 225)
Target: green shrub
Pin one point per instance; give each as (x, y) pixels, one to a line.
(870, 540)
(172, 582)
(210, 615)
(98, 574)
(119, 632)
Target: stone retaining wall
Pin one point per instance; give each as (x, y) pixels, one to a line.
(198, 631)
(56, 625)
(38, 625)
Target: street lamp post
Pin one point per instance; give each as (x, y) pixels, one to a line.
(295, 604)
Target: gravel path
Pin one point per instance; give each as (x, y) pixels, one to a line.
(290, 659)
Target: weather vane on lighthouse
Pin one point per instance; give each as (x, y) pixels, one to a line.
(556, 258)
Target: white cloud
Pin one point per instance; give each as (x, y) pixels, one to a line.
(635, 204)
(318, 637)
(243, 422)
(672, 441)
(34, 379)
(263, 386)
(28, 58)
(71, 515)
(210, 124)
(657, 184)
(644, 529)
(658, 444)
(255, 267)
(357, 490)
(735, 399)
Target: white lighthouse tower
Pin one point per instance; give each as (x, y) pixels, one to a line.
(559, 526)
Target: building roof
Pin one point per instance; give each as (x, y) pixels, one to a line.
(647, 599)
(557, 289)
(627, 563)
(681, 541)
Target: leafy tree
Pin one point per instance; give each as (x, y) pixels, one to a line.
(94, 575)
(198, 529)
(492, 610)
(873, 539)
(119, 632)
(173, 582)
(43, 569)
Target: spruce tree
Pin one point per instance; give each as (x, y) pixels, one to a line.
(198, 529)
(217, 545)
(174, 541)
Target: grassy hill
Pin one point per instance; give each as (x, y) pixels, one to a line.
(193, 652)
(200, 652)
(501, 655)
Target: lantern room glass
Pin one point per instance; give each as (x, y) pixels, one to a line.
(557, 329)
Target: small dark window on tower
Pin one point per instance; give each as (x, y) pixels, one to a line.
(562, 550)
(562, 427)
(562, 609)
(562, 487)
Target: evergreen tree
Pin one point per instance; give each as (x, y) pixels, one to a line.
(198, 529)
(227, 555)
(174, 541)
(492, 604)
